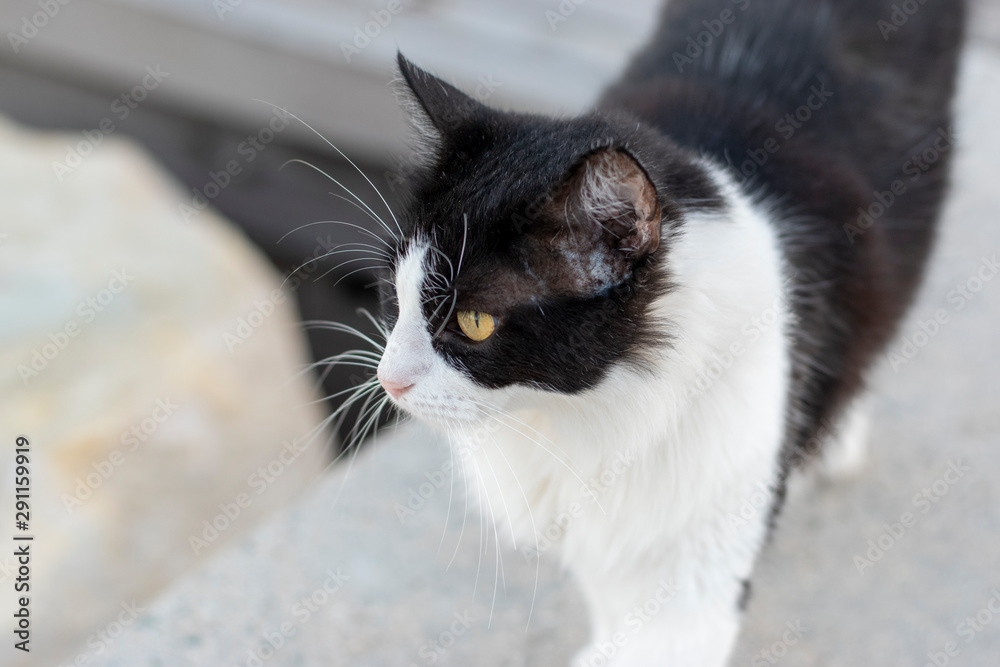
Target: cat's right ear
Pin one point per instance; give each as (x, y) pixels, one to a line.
(436, 108)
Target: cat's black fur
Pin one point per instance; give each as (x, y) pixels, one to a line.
(891, 96)
(568, 341)
(815, 108)
(879, 96)
(880, 101)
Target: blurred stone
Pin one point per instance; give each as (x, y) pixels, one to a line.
(152, 364)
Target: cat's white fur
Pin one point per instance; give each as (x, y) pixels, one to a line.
(686, 446)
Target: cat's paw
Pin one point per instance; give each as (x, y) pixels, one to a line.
(845, 451)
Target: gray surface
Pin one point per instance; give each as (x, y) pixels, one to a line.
(986, 20)
(939, 407)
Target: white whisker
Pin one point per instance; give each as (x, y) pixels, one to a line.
(351, 162)
(347, 190)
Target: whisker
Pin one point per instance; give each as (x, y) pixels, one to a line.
(350, 261)
(351, 273)
(328, 254)
(377, 324)
(367, 385)
(355, 246)
(340, 222)
(322, 376)
(360, 208)
(356, 355)
(343, 328)
(482, 521)
(451, 267)
(465, 515)
(345, 449)
(447, 317)
(345, 188)
(359, 392)
(451, 493)
(334, 360)
(531, 519)
(465, 234)
(331, 253)
(545, 449)
(351, 162)
(373, 419)
(451, 311)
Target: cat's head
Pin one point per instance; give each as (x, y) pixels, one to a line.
(530, 252)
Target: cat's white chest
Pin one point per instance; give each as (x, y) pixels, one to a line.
(644, 481)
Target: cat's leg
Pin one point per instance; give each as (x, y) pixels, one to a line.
(675, 624)
(845, 451)
(678, 600)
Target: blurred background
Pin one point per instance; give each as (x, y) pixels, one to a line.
(161, 253)
(225, 64)
(167, 168)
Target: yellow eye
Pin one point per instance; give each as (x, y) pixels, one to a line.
(477, 326)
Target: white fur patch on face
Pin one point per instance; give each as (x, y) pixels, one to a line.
(591, 268)
(437, 393)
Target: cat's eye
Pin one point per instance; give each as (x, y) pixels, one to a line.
(476, 325)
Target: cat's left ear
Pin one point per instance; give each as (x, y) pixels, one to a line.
(441, 107)
(610, 195)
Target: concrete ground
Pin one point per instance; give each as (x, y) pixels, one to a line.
(344, 579)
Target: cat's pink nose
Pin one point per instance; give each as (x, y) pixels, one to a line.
(395, 389)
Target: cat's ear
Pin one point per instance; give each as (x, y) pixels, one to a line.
(435, 107)
(611, 196)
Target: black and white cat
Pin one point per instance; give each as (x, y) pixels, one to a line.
(682, 291)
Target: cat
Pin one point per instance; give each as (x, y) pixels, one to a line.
(680, 293)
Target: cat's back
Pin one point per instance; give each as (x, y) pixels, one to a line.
(835, 115)
(719, 76)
